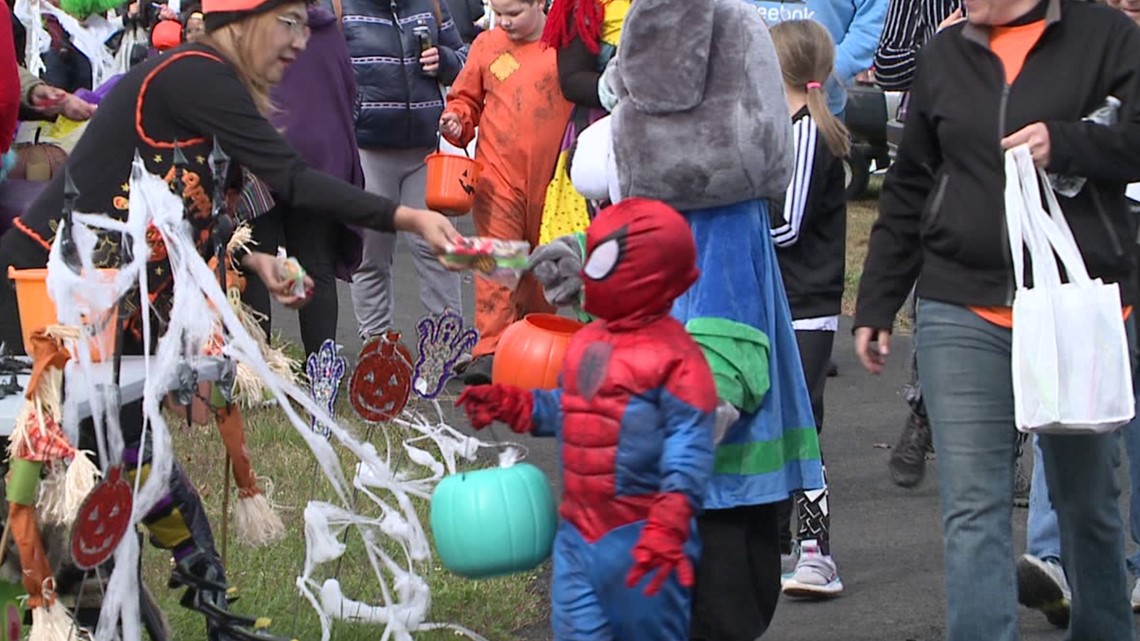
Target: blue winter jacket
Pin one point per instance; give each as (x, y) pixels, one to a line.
(399, 106)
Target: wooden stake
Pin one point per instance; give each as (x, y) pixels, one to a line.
(4, 538)
(226, 510)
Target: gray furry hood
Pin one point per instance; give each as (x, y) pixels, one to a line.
(701, 118)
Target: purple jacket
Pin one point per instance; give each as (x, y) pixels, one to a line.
(317, 103)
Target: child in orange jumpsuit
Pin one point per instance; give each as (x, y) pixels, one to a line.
(509, 90)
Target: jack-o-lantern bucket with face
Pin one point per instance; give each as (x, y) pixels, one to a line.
(494, 522)
(451, 181)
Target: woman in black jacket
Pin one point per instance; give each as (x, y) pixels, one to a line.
(1018, 72)
(213, 91)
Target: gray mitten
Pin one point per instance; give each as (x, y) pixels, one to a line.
(557, 265)
(726, 417)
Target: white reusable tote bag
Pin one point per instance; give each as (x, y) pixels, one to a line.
(1070, 365)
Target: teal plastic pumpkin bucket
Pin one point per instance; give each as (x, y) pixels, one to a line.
(493, 522)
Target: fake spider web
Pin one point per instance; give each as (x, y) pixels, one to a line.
(389, 494)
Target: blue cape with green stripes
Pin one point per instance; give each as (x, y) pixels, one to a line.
(772, 451)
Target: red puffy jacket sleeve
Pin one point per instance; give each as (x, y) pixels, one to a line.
(9, 81)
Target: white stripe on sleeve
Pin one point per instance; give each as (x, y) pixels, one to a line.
(795, 202)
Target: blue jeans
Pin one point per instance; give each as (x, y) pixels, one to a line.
(1042, 534)
(1043, 539)
(1132, 447)
(964, 365)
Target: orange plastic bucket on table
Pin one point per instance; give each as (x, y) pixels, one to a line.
(37, 311)
(451, 181)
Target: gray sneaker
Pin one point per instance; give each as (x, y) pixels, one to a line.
(815, 577)
(1041, 585)
(908, 459)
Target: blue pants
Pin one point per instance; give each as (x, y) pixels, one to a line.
(964, 363)
(591, 601)
(1043, 536)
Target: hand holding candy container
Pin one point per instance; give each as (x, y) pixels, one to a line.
(501, 261)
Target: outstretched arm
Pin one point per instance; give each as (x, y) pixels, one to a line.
(465, 100)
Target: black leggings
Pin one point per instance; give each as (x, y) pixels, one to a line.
(313, 242)
(738, 576)
(815, 520)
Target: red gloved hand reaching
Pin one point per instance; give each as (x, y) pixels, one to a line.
(661, 546)
(485, 404)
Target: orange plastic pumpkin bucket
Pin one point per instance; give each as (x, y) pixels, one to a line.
(530, 352)
(451, 181)
(37, 311)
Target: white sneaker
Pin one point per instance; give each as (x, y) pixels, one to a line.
(1136, 597)
(1041, 585)
(815, 577)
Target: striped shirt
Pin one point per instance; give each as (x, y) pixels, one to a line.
(910, 24)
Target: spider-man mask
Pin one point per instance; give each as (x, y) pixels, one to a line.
(640, 257)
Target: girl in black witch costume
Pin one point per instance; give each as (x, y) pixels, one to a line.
(212, 91)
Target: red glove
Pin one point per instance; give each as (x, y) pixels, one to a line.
(485, 404)
(661, 544)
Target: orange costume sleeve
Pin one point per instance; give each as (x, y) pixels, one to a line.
(465, 99)
(510, 91)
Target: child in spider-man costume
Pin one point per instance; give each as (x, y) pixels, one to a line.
(635, 417)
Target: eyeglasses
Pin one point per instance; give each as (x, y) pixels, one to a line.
(296, 27)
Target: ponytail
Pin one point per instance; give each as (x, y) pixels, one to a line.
(834, 131)
(807, 58)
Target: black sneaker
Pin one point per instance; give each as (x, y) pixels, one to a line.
(1022, 478)
(908, 460)
(479, 371)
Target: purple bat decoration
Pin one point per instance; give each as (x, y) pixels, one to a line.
(325, 368)
(443, 340)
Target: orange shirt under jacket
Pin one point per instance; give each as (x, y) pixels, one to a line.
(1012, 45)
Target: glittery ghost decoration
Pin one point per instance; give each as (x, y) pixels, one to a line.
(325, 368)
(443, 340)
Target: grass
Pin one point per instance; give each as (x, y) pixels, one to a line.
(861, 215)
(499, 609)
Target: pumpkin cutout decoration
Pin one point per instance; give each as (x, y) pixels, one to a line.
(382, 382)
(13, 622)
(493, 522)
(12, 595)
(103, 521)
(38, 162)
(530, 351)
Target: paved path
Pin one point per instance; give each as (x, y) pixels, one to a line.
(887, 540)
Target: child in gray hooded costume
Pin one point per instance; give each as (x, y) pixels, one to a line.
(700, 122)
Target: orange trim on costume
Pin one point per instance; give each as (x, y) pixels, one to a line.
(211, 6)
(1003, 316)
(142, 97)
(31, 233)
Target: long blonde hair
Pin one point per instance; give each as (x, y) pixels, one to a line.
(807, 59)
(240, 42)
